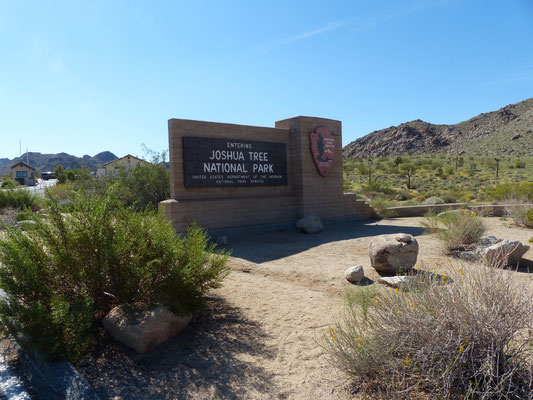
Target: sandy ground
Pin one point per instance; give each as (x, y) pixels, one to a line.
(261, 338)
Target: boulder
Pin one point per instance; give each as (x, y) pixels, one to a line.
(392, 253)
(505, 253)
(354, 274)
(310, 224)
(144, 330)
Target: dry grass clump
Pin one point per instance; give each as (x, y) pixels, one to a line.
(463, 340)
(457, 230)
(520, 212)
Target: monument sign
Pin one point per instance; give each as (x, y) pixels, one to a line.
(233, 176)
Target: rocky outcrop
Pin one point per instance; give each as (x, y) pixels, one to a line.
(476, 136)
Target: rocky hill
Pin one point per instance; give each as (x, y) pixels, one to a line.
(507, 131)
(47, 162)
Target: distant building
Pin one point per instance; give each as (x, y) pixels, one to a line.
(23, 173)
(126, 162)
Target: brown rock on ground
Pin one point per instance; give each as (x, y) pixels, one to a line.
(143, 330)
(393, 253)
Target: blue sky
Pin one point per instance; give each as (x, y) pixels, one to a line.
(88, 76)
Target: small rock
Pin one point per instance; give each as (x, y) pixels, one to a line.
(399, 282)
(515, 137)
(222, 240)
(470, 255)
(354, 274)
(144, 330)
(310, 224)
(487, 241)
(392, 253)
(505, 253)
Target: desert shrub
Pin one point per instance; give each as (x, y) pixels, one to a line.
(431, 223)
(145, 185)
(63, 274)
(25, 215)
(381, 206)
(59, 192)
(434, 200)
(18, 199)
(456, 229)
(518, 211)
(524, 190)
(378, 187)
(450, 197)
(8, 216)
(9, 184)
(466, 340)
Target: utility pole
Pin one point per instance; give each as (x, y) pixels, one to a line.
(497, 166)
(370, 170)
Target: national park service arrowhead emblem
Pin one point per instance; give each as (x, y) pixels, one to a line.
(322, 144)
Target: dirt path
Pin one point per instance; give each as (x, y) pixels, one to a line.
(261, 337)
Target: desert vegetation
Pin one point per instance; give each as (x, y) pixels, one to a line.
(439, 178)
(436, 340)
(456, 230)
(95, 245)
(141, 187)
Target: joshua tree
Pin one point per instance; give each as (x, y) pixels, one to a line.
(408, 170)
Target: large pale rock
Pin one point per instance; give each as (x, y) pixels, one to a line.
(505, 253)
(310, 224)
(144, 330)
(354, 274)
(392, 253)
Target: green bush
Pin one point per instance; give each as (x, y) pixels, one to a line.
(25, 215)
(466, 340)
(20, 199)
(9, 184)
(64, 273)
(529, 218)
(381, 206)
(434, 200)
(455, 229)
(144, 186)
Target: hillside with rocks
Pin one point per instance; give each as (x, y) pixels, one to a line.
(47, 162)
(507, 131)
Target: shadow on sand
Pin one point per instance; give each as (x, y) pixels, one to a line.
(215, 357)
(257, 247)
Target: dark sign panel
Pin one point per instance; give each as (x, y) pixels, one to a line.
(233, 162)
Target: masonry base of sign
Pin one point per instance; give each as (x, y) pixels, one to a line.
(292, 187)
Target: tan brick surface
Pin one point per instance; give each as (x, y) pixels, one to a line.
(306, 192)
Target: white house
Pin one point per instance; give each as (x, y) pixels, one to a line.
(126, 162)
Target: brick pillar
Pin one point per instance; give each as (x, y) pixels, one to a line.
(317, 195)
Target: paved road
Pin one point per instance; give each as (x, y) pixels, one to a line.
(41, 186)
